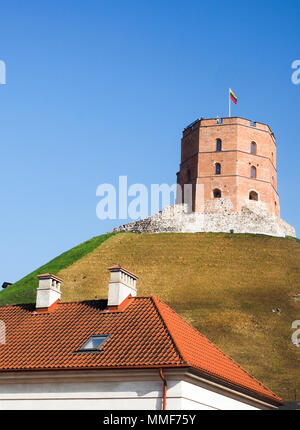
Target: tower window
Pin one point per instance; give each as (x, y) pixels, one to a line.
(217, 193)
(189, 176)
(253, 172)
(218, 169)
(253, 195)
(253, 148)
(219, 145)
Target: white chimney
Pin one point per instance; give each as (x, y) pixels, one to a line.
(48, 291)
(121, 284)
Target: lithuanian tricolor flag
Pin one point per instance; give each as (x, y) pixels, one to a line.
(233, 96)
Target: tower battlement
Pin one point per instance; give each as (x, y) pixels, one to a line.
(207, 122)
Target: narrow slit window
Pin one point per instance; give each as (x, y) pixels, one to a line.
(189, 176)
(253, 172)
(253, 148)
(219, 145)
(218, 169)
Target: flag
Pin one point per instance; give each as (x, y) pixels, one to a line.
(233, 96)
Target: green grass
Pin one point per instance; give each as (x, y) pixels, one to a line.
(24, 291)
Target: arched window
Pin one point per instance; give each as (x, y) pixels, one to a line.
(218, 169)
(217, 193)
(253, 172)
(253, 195)
(253, 148)
(219, 145)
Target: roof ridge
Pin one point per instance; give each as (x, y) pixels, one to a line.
(64, 302)
(272, 394)
(16, 304)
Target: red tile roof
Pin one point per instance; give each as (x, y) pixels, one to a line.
(145, 334)
(199, 352)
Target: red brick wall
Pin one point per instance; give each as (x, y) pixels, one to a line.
(199, 155)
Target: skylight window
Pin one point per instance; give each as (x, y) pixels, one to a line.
(94, 343)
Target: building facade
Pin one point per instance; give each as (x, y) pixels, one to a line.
(231, 158)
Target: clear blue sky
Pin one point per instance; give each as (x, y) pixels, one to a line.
(97, 89)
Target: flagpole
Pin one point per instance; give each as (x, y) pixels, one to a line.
(229, 105)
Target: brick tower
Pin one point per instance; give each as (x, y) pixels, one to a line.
(231, 158)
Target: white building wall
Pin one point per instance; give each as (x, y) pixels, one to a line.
(89, 395)
(197, 397)
(112, 395)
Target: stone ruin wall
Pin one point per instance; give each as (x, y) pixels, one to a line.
(216, 216)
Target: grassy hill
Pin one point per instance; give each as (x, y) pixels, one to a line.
(226, 285)
(24, 291)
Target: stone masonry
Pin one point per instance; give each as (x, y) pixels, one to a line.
(219, 218)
